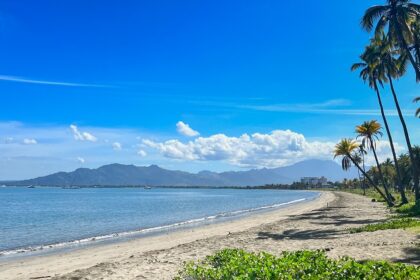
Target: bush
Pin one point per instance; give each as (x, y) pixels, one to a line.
(240, 265)
(391, 224)
(409, 210)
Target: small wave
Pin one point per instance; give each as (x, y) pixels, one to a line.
(162, 228)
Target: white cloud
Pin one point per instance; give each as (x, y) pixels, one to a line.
(117, 146)
(81, 160)
(28, 141)
(280, 147)
(383, 150)
(186, 130)
(82, 136)
(142, 153)
(333, 107)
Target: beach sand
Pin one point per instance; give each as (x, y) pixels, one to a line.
(319, 224)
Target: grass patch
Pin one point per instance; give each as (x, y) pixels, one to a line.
(241, 265)
(391, 224)
(372, 193)
(409, 210)
(414, 230)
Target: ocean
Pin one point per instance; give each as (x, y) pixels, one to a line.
(35, 219)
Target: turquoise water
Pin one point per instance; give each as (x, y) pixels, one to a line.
(32, 219)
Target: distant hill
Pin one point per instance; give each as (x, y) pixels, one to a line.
(153, 175)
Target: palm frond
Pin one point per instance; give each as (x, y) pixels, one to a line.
(371, 15)
(369, 131)
(356, 66)
(380, 26)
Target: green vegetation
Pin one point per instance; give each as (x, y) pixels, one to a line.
(370, 192)
(402, 223)
(409, 210)
(239, 264)
(406, 214)
(406, 210)
(346, 149)
(394, 44)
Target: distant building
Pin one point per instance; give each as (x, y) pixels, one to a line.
(314, 181)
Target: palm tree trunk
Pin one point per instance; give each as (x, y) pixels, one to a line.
(360, 178)
(414, 167)
(364, 178)
(417, 48)
(381, 175)
(389, 137)
(388, 201)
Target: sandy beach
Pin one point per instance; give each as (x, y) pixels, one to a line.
(319, 224)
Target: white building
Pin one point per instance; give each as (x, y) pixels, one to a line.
(314, 181)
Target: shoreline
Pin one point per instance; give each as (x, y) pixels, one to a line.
(124, 236)
(321, 224)
(62, 262)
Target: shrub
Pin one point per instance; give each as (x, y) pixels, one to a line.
(240, 265)
(390, 224)
(409, 210)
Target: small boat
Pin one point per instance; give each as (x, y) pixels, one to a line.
(147, 188)
(31, 187)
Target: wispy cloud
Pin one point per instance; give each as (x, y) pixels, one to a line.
(117, 146)
(82, 136)
(333, 107)
(335, 111)
(45, 82)
(29, 141)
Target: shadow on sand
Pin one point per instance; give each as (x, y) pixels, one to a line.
(300, 234)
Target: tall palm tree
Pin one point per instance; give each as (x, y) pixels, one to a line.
(372, 72)
(346, 149)
(414, 167)
(370, 131)
(417, 99)
(381, 53)
(396, 16)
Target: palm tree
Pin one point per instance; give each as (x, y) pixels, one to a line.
(372, 72)
(382, 54)
(370, 131)
(397, 17)
(417, 99)
(346, 149)
(414, 167)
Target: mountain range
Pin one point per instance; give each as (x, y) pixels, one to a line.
(153, 175)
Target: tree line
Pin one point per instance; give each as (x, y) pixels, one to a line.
(393, 49)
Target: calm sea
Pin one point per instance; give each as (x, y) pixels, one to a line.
(42, 218)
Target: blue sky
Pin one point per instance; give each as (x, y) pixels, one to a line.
(129, 72)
